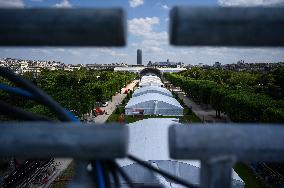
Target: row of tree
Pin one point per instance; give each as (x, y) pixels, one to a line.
(269, 83)
(77, 91)
(240, 101)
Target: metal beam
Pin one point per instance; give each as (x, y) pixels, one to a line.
(216, 173)
(62, 27)
(227, 26)
(74, 140)
(246, 142)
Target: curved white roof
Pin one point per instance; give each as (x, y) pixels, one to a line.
(152, 89)
(153, 97)
(150, 78)
(146, 84)
(151, 83)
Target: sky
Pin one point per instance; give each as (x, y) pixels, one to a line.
(147, 26)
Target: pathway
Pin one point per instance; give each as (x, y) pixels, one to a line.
(204, 114)
(62, 164)
(116, 100)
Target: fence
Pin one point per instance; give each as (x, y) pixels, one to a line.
(217, 146)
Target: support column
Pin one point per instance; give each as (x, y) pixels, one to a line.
(216, 172)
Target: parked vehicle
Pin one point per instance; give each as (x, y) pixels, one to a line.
(105, 104)
(126, 91)
(99, 111)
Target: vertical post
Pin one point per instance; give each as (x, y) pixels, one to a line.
(1, 180)
(216, 172)
(82, 177)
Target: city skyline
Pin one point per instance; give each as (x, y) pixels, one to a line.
(147, 30)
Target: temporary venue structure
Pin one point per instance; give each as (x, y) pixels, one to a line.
(154, 104)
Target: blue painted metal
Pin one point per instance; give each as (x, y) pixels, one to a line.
(227, 26)
(62, 27)
(219, 146)
(75, 140)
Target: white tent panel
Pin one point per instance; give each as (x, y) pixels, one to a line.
(150, 77)
(152, 89)
(150, 81)
(145, 84)
(154, 104)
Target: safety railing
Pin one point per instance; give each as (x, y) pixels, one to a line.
(79, 141)
(211, 26)
(220, 146)
(217, 146)
(84, 143)
(62, 27)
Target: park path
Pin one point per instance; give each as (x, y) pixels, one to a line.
(62, 164)
(116, 100)
(205, 114)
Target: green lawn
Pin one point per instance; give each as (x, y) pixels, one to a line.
(128, 119)
(188, 117)
(248, 176)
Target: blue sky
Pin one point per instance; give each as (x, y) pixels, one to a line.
(147, 29)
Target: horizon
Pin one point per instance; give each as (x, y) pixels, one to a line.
(112, 63)
(147, 23)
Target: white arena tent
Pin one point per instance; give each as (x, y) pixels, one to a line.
(144, 84)
(150, 81)
(154, 104)
(150, 77)
(152, 89)
(148, 139)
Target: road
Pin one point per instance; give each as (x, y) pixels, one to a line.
(62, 164)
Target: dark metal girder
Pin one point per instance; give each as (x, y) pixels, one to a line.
(62, 27)
(74, 140)
(227, 26)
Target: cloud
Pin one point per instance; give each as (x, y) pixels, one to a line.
(134, 44)
(250, 2)
(63, 4)
(152, 41)
(111, 52)
(143, 27)
(166, 7)
(140, 26)
(41, 51)
(135, 3)
(12, 3)
(154, 49)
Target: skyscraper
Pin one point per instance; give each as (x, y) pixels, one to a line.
(139, 57)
